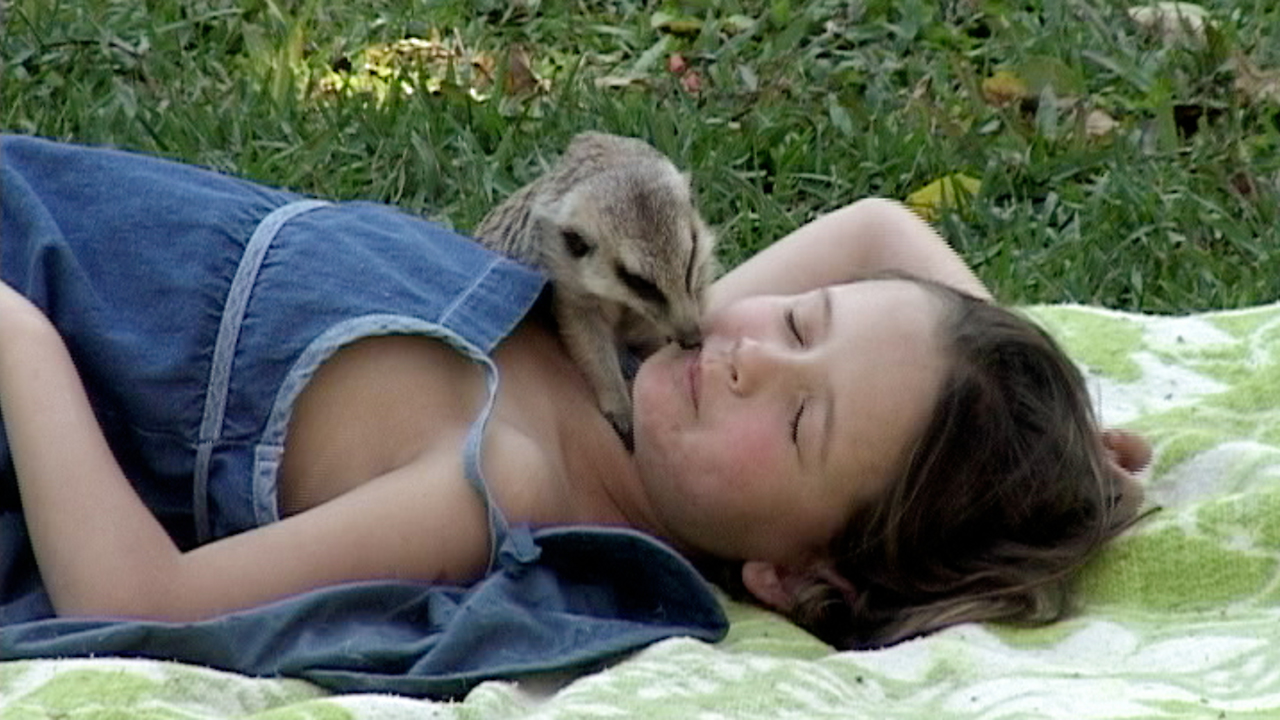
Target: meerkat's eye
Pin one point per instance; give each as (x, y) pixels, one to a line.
(576, 244)
(693, 261)
(642, 287)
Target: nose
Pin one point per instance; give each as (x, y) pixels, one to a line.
(754, 364)
(688, 337)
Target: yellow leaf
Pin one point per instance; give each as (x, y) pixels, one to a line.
(1004, 88)
(674, 24)
(947, 192)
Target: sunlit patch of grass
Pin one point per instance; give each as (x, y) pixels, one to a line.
(780, 109)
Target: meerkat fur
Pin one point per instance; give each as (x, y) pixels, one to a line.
(613, 224)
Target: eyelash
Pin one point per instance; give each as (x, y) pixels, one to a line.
(794, 327)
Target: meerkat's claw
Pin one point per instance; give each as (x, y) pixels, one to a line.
(622, 424)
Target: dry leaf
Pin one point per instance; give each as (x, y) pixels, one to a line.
(691, 81)
(483, 63)
(1255, 84)
(1098, 123)
(1243, 183)
(675, 24)
(1004, 88)
(620, 81)
(1173, 21)
(520, 77)
(408, 65)
(943, 194)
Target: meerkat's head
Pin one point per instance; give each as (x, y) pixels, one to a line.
(630, 236)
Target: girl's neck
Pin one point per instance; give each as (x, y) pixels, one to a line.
(595, 480)
(601, 476)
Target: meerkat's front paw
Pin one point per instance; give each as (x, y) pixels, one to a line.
(619, 417)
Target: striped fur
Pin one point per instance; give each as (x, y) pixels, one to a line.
(629, 258)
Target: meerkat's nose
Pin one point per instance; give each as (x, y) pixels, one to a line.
(689, 337)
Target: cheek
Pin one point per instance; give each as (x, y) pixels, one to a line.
(653, 402)
(747, 450)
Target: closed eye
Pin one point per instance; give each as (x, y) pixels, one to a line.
(795, 425)
(642, 287)
(793, 326)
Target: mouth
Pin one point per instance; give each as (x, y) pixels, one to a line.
(693, 375)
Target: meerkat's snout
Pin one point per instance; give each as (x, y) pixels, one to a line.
(614, 226)
(688, 337)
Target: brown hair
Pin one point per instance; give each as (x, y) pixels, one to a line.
(1004, 496)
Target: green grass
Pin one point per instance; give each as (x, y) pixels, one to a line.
(803, 107)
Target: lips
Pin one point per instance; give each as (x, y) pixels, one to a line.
(693, 374)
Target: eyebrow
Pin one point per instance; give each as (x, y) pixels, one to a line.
(828, 400)
(825, 320)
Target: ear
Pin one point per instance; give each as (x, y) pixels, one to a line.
(770, 584)
(778, 586)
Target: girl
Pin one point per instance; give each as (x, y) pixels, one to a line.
(217, 395)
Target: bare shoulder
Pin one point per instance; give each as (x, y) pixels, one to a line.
(373, 407)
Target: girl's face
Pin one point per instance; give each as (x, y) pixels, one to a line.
(795, 410)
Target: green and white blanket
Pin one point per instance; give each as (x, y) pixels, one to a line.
(1182, 616)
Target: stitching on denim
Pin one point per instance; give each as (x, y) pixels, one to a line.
(215, 399)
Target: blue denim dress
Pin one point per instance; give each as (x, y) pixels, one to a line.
(197, 306)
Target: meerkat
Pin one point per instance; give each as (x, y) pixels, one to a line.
(629, 258)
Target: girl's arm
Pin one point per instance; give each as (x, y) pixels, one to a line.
(70, 483)
(866, 237)
(102, 552)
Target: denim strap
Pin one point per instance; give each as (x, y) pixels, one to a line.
(215, 399)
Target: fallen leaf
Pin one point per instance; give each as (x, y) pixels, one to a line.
(1173, 21)
(1255, 84)
(483, 63)
(1099, 124)
(674, 24)
(945, 193)
(520, 77)
(619, 81)
(1004, 88)
(691, 81)
(1242, 182)
(921, 89)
